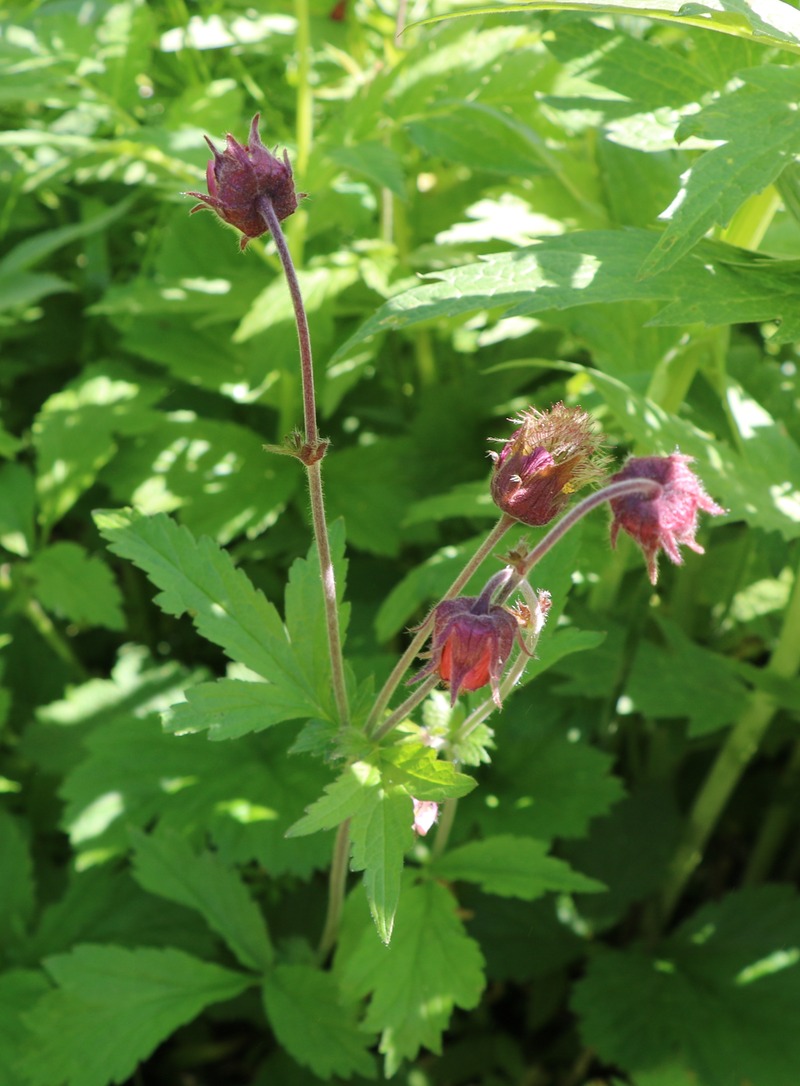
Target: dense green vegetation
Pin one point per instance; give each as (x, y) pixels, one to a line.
(589, 204)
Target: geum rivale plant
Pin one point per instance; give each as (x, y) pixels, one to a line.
(396, 778)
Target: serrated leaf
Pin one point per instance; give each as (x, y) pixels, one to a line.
(244, 795)
(196, 576)
(74, 434)
(709, 695)
(414, 984)
(513, 867)
(20, 990)
(714, 284)
(534, 769)
(112, 1007)
(215, 472)
(310, 1019)
(230, 708)
(758, 124)
(343, 798)
(165, 865)
(77, 587)
(381, 834)
(424, 775)
(739, 956)
(306, 620)
(770, 22)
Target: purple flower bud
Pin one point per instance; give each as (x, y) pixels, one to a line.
(239, 177)
(550, 456)
(471, 644)
(669, 519)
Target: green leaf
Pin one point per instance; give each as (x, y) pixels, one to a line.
(343, 798)
(758, 124)
(422, 774)
(310, 1019)
(513, 867)
(770, 22)
(381, 833)
(534, 770)
(709, 695)
(77, 587)
(374, 161)
(230, 708)
(414, 984)
(20, 990)
(305, 616)
(112, 1007)
(195, 576)
(243, 795)
(165, 865)
(715, 284)
(16, 509)
(216, 473)
(16, 878)
(478, 136)
(639, 1008)
(75, 433)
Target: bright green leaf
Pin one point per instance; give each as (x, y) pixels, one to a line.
(513, 867)
(309, 1018)
(112, 1007)
(79, 588)
(430, 967)
(165, 865)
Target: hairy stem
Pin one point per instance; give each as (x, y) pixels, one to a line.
(423, 631)
(733, 758)
(337, 882)
(313, 465)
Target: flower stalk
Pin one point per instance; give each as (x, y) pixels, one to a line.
(311, 452)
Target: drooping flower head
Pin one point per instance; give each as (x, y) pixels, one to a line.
(239, 177)
(669, 519)
(550, 456)
(471, 643)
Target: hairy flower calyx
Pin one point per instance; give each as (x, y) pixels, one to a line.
(550, 456)
(668, 519)
(472, 640)
(238, 180)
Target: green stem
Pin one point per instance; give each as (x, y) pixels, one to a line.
(423, 631)
(444, 826)
(337, 883)
(775, 825)
(733, 758)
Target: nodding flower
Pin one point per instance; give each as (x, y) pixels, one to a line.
(550, 456)
(471, 643)
(669, 518)
(238, 179)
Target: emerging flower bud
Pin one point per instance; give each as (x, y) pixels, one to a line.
(471, 643)
(426, 813)
(665, 521)
(550, 456)
(240, 177)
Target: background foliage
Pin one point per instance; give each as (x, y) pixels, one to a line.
(516, 207)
